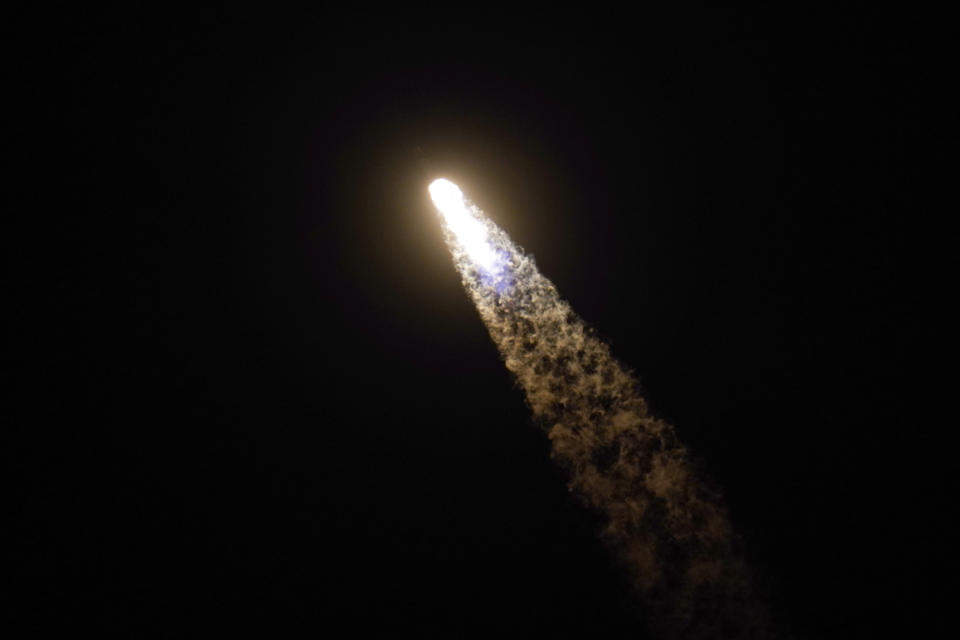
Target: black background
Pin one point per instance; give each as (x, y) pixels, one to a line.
(250, 394)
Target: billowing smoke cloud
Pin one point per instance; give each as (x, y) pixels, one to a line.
(669, 529)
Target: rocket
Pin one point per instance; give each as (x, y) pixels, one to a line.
(470, 232)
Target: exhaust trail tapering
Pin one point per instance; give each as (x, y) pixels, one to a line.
(670, 530)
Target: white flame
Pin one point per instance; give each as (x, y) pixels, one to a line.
(470, 232)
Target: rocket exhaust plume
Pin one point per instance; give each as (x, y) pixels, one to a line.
(668, 528)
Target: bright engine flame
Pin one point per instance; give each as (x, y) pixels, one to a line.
(470, 232)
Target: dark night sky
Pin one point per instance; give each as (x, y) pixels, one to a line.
(250, 394)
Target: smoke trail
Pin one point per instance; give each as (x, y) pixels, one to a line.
(669, 529)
